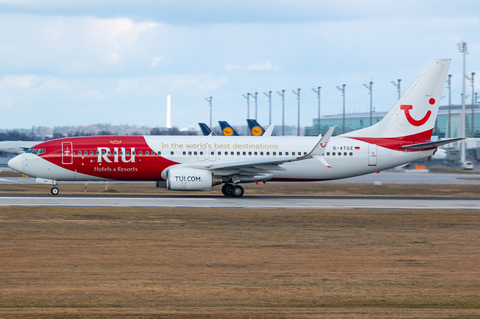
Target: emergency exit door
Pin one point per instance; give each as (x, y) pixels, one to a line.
(67, 153)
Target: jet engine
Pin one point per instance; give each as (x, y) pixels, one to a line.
(191, 179)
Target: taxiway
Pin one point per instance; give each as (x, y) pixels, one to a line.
(313, 202)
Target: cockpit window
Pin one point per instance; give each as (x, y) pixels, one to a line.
(36, 151)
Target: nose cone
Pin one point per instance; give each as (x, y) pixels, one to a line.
(16, 163)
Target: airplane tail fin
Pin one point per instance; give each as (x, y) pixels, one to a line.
(255, 128)
(205, 129)
(227, 129)
(413, 116)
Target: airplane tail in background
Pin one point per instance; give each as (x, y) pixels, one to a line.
(254, 128)
(227, 129)
(413, 116)
(206, 130)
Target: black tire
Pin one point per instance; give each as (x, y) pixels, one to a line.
(227, 189)
(238, 191)
(223, 189)
(54, 191)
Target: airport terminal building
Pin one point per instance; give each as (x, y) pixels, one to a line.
(356, 121)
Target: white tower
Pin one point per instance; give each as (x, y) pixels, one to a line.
(169, 111)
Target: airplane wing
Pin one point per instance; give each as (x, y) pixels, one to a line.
(430, 145)
(267, 166)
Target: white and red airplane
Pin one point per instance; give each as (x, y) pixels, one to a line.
(192, 163)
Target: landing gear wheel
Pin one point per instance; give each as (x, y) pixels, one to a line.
(54, 191)
(237, 191)
(227, 189)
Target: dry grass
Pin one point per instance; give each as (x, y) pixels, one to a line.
(270, 189)
(238, 263)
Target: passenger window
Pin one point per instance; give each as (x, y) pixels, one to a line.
(351, 154)
(280, 153)
(121, 152)
(184, 153)
(140, 153)
(244, 153)
(219, 153)
(328, 153)
(201, 152)
(286, 153)
(304, 153)
(195, 153)
(127, 153)
(85, 153)
(159, 153)
(293, 153)
(79, 152)
(190, 153)
(91, 152)
(333, 153)
(268, 153)
(232, 153)
(114, 152)
(274, 153)
(345, 154)
(226, 153)
(249, 153)
(133, 152)
(172, 153)
(255, 153)
(108, 152)
(238, 153)
(103, 152)
(147, 153)
(96, 152)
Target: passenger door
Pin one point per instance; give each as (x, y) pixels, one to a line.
(67, 153)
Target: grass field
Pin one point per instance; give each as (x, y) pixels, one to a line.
(270, 189)
(238, 263)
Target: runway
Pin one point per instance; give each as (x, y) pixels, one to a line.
(387, 177)
(292, 202)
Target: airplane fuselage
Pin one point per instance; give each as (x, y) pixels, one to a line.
(146, 158)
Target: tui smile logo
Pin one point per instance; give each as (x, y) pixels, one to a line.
(411, 120)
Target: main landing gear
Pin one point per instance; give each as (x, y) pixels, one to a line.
(54, 190)
(232, 190)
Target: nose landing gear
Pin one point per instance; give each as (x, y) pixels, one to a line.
(54, 190)
(233, 190)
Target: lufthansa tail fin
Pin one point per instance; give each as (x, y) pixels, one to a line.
(227, 129)
(206, 130)
(255, 129)
(413, 116)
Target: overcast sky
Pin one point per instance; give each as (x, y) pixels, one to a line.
(115, 61)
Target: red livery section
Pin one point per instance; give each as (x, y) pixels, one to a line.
(411, 120)
(396, 143)
(126, 158)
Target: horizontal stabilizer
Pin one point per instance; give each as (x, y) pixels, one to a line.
(429, 145)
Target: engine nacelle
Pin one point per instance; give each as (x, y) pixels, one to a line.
(191, 179)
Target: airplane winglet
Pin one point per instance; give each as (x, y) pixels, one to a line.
(269, 130)
(321, 145)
